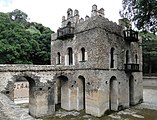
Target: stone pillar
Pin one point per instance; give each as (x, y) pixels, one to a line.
(41, 101)
(65, 95)
(97, 102)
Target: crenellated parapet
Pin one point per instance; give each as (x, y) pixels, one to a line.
(73, 17)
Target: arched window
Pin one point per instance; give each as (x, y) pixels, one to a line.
(58, 58)
(112, 58)
(136, 57)
(127, 57)
(70, 55)
(69, 24)
(83, 54)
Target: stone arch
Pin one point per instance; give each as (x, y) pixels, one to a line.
(82, 54)
(32, 79)
(61, 92)
(113, 58)
(40, 94)
(131, 90)
(70, 56)
(69, 24)
(58, 61)
(21, 89)
(113, 94)
(81, 92)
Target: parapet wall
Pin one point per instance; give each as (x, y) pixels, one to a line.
(96, 20)
(24, 67)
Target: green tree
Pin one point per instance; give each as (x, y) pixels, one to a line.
(23, 42)
(143, 13)
(18, 16)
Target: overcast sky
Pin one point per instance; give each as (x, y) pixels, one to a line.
(50, 12)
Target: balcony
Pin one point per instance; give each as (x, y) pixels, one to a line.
(65, 33)
(131, 67)
(130, 36)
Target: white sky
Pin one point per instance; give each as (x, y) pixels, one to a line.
(50, 12)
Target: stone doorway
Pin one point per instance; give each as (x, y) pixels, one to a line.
(81, 91)
(21, 91)
(62, 93)
(131, 90)
(113, 94)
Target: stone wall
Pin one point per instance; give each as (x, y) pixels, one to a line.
(149, 81)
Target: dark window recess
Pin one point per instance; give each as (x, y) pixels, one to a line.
(58, 58)
(127, 57)
(136, 57)
(83, 54)
(70, 54)
(112, 58)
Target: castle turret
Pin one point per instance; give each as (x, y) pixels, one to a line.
(69, 13)
(63, 21)
(76, 17)
(101, 12)
(94, 10)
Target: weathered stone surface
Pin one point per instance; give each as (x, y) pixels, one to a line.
(87, 70)
(9, 111)
(105, 87)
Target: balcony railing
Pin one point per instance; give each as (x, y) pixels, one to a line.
(65, 33)
(130, 36)
(131, 67)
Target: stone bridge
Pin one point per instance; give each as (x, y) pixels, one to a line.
(42, 80)
(95, 90)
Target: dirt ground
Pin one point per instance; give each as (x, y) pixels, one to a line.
(144, 111)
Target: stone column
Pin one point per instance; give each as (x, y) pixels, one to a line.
(97, 102)
(41, 101)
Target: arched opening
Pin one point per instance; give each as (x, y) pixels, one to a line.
(58, 58)
(131, 90)
(69, 24)
(61, 91)
(81, 85)
(112, 58)
(113, 94)
(136, 57)
(70, 56)
(83, 54)
(21, 91)
(127, 57)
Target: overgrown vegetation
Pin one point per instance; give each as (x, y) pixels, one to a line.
(143, 14)
(23, 42)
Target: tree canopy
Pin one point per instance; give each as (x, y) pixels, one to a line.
(23, 42)
(143, 13)
(149, 44)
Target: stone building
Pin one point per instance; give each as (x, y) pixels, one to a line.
(106, 61)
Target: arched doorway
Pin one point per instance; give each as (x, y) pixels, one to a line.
(21, 91)
(113, 94)
(61, 91)
(81, 86)
(40, 94)
(131, 90)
